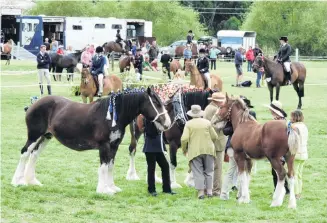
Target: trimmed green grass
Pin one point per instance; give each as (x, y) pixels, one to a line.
(70, 177)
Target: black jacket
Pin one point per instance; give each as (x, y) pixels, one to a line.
(43, 61)
(284, 53)
(118, 37)
(138, 60)
(256, 52)
(203, 65)
(98, 62)
(153, 138)
(166, 59)
(189, 38)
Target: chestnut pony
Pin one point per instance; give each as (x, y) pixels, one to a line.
(252, 140)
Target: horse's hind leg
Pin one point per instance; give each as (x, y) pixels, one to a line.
(277, 91)
(30, 167)
(280, 191)
(135, 135)
(271, 91)
(291, 180)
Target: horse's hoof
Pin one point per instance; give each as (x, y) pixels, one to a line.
(34, 182)
(105, 190)
(175, 185)
(132, 176)
(116, 189)
(19, 182)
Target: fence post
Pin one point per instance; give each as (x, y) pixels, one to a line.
(297, 55)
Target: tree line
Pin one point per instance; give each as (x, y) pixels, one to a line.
(305, 23)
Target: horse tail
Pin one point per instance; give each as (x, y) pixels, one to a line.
(294, 141)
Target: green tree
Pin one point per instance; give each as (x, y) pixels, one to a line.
(170, 19)
(232, 23)
(305, 24)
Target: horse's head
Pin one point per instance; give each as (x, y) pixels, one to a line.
(84, 74)
(231, 109)
(153, 109)
(258, 63)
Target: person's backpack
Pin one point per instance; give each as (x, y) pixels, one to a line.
(246, 83)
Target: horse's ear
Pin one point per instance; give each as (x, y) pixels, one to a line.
(149, 91)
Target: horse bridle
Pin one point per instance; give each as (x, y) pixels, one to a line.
(230, 111)
(156, 110)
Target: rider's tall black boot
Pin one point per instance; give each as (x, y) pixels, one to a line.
(288, 77)
(41, 88)
(49, 89)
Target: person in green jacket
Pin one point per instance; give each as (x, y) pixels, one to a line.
(213, 53)
(197, 143)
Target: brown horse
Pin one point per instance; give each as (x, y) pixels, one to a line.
(198, 81)
(7, 47)
(125, 62)
(174, 66)
(179, 51)
(275, 74)
(272, 140)
(88, 85)
(113, 46)
(100, 125)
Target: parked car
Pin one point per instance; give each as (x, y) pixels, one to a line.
(171, 48)
(208, 40)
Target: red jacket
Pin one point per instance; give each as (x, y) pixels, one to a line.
(60, 51)
(249, 55)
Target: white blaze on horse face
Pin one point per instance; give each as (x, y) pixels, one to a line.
(114, 135)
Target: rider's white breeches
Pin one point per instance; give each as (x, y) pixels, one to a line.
(207, 75)
(287, 66)
(100, 79)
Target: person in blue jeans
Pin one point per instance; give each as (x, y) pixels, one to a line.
(259, 76)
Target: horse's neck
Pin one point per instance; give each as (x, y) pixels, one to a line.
(196, 78)
(235, 117)
(269, 67)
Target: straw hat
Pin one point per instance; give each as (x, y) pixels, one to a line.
(218, 96)
(195, 111)
(277, 108)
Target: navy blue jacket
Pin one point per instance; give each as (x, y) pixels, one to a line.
(203, 65)
(238, 58)
(153, 138)
(43, 61)
(98, 63)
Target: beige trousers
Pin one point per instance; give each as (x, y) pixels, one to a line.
(218, 169)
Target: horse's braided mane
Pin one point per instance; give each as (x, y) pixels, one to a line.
(125, 104)
(245, 112)
(196, 98)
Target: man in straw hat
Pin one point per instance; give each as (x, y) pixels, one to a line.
(276, 109)
(217, 100)
(197, 142)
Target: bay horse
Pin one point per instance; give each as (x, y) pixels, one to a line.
(6, 50)
(100, 125)
(198, 81)
(113, 46)
(59, 62)
(274, 72)
(272, 140)
(88, 86)
(172, 135)
(125, 62)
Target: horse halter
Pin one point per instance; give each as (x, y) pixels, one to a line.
(156, 110)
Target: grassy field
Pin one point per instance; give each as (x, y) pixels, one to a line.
(70, 177)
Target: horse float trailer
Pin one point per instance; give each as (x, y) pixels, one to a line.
(231, 40)
(30, 31)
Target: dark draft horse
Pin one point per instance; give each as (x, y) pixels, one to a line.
(272, 140)
(275, 72)
(86, 126)
(59, 62)
(172, 135)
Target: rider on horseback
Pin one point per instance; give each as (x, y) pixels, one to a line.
(283, 57)
(97, 69)
(119, 40)
(203, 67)
(189, 38)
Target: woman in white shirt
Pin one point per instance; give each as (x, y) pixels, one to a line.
(302, 153)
